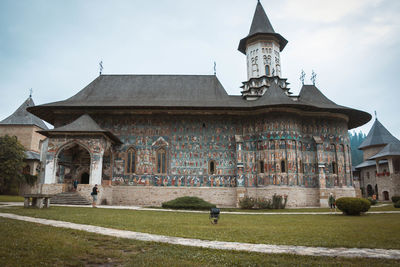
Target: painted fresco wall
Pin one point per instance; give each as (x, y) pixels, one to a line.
(192, 141)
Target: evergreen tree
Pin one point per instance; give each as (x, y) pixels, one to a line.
(12, 155)
(355, 141)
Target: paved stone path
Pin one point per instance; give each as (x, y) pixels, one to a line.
(261, 248)
(5, 204)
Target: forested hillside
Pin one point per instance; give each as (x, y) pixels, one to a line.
(355, 141)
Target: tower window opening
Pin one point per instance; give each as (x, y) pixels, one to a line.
(267, 70)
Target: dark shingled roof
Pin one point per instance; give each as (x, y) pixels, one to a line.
(275, 96)
(84, 124)
(378, 135)
(369, 163)
(392, 149)
(22, 117)
(111, 92)
(261, 25)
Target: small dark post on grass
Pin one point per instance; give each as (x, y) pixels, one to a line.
(214, 215)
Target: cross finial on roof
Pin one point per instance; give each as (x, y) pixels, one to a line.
(101, 67)
(302, 76)
(30, 92)
(376, 115)
(215, 68)
(313, 77)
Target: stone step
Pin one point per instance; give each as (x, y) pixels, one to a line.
(69, 198)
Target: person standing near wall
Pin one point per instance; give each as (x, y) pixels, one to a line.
(94, 193)
(332, 202)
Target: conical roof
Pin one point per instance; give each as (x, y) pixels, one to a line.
(261, 25)
(378, 135)
(22, 117)
(83, 124)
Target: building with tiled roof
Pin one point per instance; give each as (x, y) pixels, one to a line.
(24, 126)
(380, 170)
(151, 138)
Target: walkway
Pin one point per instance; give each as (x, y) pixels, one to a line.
(5, 204)
(260, 248)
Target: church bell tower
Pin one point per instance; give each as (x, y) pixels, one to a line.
(262, 47)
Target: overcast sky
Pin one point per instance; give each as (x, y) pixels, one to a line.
(55, 46)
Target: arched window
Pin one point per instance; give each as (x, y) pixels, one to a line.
(267, 70)
(211, 167)
(334, 167)
(130, 161)
(261, 166)
(283, 166)
(161, 161)
(301, 167)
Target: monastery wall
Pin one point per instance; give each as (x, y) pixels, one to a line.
(26, 135)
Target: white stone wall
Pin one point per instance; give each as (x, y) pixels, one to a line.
(262, 53)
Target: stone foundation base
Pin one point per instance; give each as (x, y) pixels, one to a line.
(221, 196)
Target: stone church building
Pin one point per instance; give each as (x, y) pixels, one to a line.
(25, 126)
(150, 138)
(380, 170)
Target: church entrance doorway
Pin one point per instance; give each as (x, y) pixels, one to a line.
(85, 178)
(73, 162)
(385, 195)
(370, 191)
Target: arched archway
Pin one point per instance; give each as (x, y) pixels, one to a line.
(85, 178)
(385, 195)
(73, 161)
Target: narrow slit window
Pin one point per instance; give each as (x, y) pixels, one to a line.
(161, 161)
(130, 161)
(283, 166)
(261, 166)
(211, 167)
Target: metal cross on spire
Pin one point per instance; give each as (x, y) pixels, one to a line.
(376, 115)
(313, 77)
(101, 67)
(215, 68)
(302, 76)
(30, 92)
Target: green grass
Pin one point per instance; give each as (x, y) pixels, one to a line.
(28, 244)
(369, 231)
(6, 198)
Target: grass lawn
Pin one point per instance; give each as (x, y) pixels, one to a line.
(370, 231)
(5, 198)
(29, 244)
(389, 207)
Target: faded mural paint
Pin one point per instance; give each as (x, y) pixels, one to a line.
(191, 142)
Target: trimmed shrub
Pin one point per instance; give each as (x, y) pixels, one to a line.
(278, 201)
(352, 205)
(397, 204)
(263, 203)
(188, 203)
(372, 201)
(247, 203)
(395, 199)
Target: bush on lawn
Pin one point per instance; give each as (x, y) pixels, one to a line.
(397, 204)
(395, 199)
(188, 203)
(372, 201)
(352, 205)
(263, 203)
(247, 203)
(277, 202)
